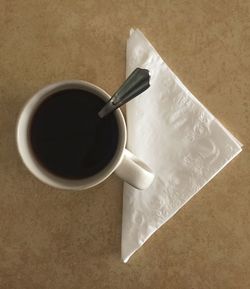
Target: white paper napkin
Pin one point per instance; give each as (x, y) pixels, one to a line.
(177, 137)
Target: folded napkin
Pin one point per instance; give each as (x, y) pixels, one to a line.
(177, 137)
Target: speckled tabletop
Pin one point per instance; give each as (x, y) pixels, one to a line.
(57, 239)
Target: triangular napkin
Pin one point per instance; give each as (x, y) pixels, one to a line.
(177, 137)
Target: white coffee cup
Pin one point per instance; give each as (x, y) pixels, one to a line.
(125, 164)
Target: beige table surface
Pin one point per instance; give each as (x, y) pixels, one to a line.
(56, 239)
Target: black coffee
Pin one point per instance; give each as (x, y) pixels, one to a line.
(67, 136)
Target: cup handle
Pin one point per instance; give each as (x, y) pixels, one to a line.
(134, 171)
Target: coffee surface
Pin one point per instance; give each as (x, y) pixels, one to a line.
(67, 136)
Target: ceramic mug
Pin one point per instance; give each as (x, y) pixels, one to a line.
(125, 164)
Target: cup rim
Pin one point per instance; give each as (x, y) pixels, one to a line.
(28, 157)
